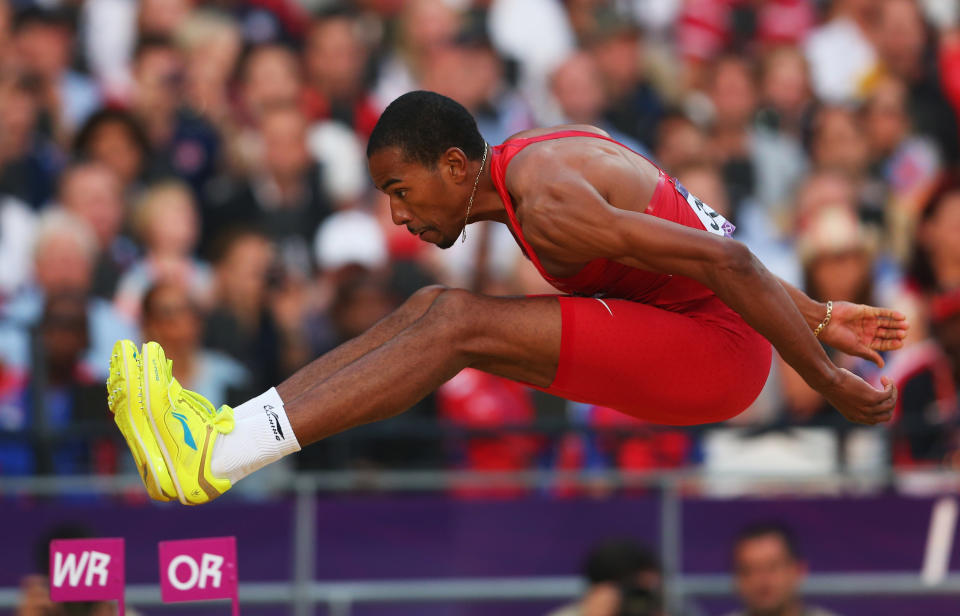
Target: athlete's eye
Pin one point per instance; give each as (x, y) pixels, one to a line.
(401, 194)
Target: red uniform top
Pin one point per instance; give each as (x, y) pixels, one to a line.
(606, 278)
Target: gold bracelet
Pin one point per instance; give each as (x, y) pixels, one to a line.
(825, 321)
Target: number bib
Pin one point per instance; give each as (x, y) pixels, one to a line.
(713, 222)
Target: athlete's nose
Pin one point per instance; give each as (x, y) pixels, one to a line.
(399, 215)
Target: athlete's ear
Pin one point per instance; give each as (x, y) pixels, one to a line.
(455, 162)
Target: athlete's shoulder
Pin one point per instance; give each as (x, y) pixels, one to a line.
(549, 130)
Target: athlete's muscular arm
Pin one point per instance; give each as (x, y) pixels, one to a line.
(565, 218)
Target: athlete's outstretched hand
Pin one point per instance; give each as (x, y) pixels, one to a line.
(858, 401)
(861, 330)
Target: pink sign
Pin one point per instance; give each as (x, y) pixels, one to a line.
(87, 570)
(199, 569)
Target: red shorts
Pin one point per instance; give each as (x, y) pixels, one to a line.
(701, 365)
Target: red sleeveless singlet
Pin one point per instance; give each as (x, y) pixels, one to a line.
(603, 277)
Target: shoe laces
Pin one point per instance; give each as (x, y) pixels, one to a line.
(221, 419)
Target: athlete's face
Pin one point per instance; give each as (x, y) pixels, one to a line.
(430, 202)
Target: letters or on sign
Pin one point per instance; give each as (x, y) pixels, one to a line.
(198, 569)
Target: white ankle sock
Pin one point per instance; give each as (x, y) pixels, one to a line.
(261, 435)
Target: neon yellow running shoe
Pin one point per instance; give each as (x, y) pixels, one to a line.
(185, 426)
(125, 399)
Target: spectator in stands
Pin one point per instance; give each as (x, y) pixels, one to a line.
(117, 139)
(623, 577)
(785, 90)
(270, 78)
(768, 571)
(425, 26)
(680, 142)
(168, 226)
(284, 196)
(908, 52)
(469, 71)
(335, 60)
(925, 430)
(909, 164)
(634, 107)
(927, 373)
(211, 44)
(182, 142)
(91, 191)
(58, 422)
(249, 289)
(785, 103)
(578, 89)
(733, 96)
(838, 143)
(29, 161)
(821, 188)
(43, 40)
(935, 265)
(173, 319)
(65, 253)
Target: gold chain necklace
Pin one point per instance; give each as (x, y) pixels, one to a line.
(473, 193)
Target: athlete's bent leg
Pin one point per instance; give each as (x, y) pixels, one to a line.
(518, 338)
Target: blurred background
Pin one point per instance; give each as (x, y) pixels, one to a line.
(193, 172)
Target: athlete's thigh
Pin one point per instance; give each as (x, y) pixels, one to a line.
(514, 337)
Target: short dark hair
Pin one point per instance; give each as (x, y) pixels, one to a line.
(106, 116)
(148, 308)
(34, 15)
(618, 561)
(424, 125)
(769, 529)
(152, 42)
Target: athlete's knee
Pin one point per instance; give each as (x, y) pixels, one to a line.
(450, 314)
(421, 300)
(428, 294)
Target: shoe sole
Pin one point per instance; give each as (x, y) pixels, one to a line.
(156, 432)
(137, 443)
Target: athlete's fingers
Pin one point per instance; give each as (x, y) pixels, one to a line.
(889, 400)
(886, 395)
(886, 406)
(887, 313)
(893, 323)
(886, 344)
(890, 333)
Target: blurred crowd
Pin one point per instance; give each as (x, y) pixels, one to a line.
(193, 172)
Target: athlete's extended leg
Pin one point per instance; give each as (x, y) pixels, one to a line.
(518, 338)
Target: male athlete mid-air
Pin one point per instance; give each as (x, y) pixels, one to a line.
(662, 316)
